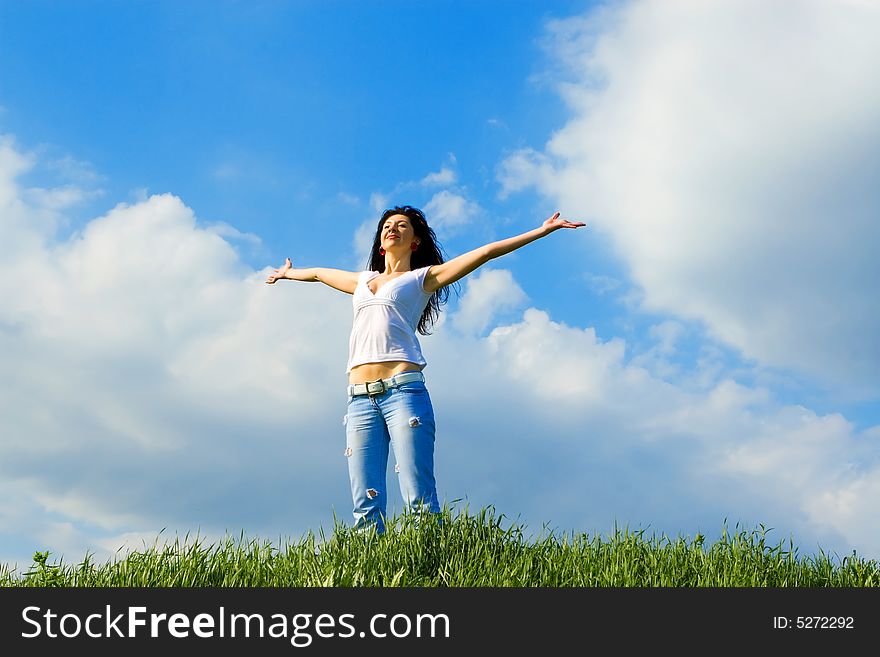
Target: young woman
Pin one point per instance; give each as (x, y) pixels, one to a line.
(399, 294)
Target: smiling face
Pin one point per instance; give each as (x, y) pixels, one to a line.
(397, 233)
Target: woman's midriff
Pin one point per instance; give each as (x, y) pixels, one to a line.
(373, 371)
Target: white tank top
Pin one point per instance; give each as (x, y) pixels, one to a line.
(385, 323)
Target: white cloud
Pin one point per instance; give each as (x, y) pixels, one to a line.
(667, 333)
(728, 150)
(522, 169)
(658, 359)
(565, 409)
(601, 284)
(448, 211)
(76, 171)
(59, 198)
(231, 232)
(561, 362)
(379, 203)
(487, 292)
(151, 379)
(444, 177)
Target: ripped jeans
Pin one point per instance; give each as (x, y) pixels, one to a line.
(404, 417)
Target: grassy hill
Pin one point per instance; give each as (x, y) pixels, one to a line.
(461, 550)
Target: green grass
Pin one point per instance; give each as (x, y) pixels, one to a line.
(462, 550)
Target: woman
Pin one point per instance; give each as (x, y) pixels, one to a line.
(400, 293)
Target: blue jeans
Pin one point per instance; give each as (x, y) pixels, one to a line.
(404, 417)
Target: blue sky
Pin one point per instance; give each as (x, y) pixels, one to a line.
(705, 349)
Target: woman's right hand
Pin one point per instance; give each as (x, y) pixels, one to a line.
(280, 272)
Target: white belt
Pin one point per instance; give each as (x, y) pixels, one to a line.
(379, 386)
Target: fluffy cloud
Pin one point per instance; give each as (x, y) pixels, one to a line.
(566, 430)
(443, 178)
(487, 292)
(149, 379)
(729, 151)
(450, 211)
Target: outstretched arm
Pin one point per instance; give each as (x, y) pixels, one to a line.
(447, 273)
(344, 281)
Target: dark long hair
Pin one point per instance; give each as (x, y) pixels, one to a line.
(429, 253)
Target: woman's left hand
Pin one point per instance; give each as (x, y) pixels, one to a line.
(556, 222)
